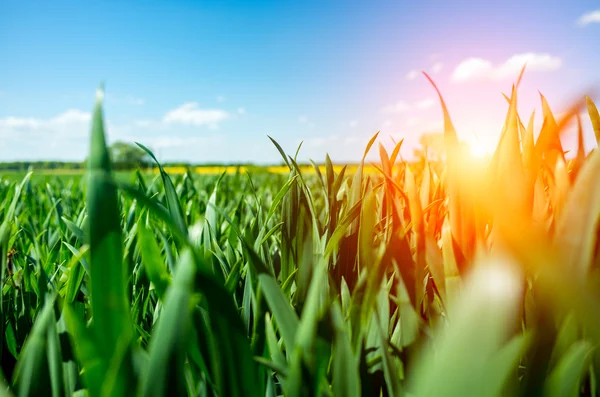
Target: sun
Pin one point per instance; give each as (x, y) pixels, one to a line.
(479, 148)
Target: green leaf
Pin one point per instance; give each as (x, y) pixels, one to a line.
(167, 349)
(31, 374)
(281, 152)
(345, 374)
(109, 295)
(172, 199)
(284, 314)
(565, 379)
(77, 270)
(237, 371)
(152, 260)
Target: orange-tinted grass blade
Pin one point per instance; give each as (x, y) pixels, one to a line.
(579, 160)
(576, 227)
(395, 152)
(521, 75)
(385, 161)
(450, 136)
(594, 117)
(371, 141)
(548, 142)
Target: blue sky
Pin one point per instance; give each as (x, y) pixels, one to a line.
(207, 81)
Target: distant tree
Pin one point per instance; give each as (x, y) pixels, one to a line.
(128, 156)
(431, 146)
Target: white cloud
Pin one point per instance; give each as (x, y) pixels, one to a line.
(241, 110)
(425, 103)
(64, 135)
(17, 122)
(71, 116)
(190, 114)
(303, 119)
(478, 69)
(353, 123)
(535, 63)
(472, 68)
(386, 123)
(397, 107)
(437, 67)
(413, 74)
(61, 123)
(589, 17)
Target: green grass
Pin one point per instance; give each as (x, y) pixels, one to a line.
(417, 280)
(44, 177)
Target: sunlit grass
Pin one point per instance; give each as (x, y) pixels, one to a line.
(472, 276)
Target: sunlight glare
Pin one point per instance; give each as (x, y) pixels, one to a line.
(480, 149)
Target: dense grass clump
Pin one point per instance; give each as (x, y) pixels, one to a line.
(454, 278)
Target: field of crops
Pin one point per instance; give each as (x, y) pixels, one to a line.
(460, 278)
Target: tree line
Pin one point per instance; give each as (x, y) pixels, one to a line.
(127, 156)
(124, 156)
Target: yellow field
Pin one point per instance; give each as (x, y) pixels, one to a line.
(216, 170)
(274, 169)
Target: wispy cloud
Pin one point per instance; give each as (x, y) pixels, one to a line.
(62, 136)
(241, 110)
(220, 99)
(434, 69)
(306, 121)
(403, 106)
(398, 107)
(191, 114)
(65, 123)
(425, 103)
(66, 135)
(437, 67)
(413, 74)
(589, 18)
(478, 69)
(353, 123)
